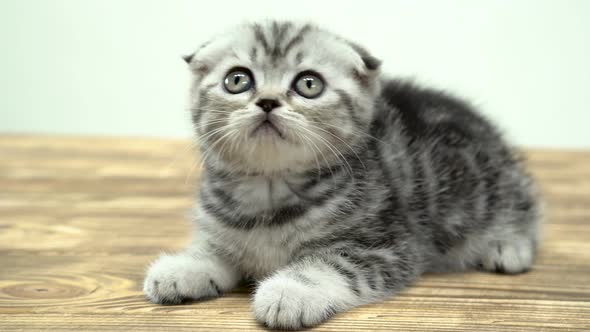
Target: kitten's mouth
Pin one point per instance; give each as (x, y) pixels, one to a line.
(267, 127)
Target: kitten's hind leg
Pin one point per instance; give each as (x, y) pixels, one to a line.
(511, 256)
(511, 245)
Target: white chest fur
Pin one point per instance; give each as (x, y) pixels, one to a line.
(259, 251)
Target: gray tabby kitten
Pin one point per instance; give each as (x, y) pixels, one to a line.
(334, 187)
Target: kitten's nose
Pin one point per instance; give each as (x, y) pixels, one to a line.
(267, 105)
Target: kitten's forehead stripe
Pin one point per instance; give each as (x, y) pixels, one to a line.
(254, 54)
(279, 33)
(298, 38)
(273, 37)
(275, 29)
(259, 34)
(299, 58)
(286, 28)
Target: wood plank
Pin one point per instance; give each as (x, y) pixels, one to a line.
(81, 217)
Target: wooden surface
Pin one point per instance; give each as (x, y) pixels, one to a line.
(81, 217)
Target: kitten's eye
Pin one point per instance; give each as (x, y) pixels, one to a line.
(309, 85)
(238, 80)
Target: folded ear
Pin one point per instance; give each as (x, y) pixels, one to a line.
(188, 58)
(197, 65)
(371, 62)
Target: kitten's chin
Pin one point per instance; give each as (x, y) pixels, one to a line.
(267, 130)
(267, 152)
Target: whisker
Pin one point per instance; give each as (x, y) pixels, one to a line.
(210, 110)
(329, 146)
(189, 145)
(319, 168)
(206, 153)
(229, 135)
(337, 152)
(345, 143)
(356, 133)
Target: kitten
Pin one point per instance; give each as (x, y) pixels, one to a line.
(332, 186)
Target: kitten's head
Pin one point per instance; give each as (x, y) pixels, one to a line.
(279, 97)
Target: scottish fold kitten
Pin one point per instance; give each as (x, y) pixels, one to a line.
(332, 186)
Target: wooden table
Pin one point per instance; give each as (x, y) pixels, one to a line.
(80, 218)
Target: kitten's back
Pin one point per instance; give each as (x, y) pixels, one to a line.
(434, 115)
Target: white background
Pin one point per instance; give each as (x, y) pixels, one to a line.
(114, 67)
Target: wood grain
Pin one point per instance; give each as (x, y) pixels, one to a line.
(80, 218)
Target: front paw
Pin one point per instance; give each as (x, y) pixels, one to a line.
(285, 303)
(174, 279)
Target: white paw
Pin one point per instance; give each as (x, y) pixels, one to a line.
(284, 303)
(175, 278)
(509, 257)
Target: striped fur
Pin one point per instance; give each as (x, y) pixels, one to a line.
(359, 192)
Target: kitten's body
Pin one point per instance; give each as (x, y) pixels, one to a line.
(407, 180)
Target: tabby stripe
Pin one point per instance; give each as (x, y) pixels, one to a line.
(197, 114)
(381, 265)
(224, 198)
(223, 176)
(313, 192)
(479, 205)
(320, 176)
(303, 279)
(430, 183)
(322, 197)
(221, 203)
(349, 275)
(492, 190)
(384, 167)
(259, 35)
(298, 58)
(491, 176)
(346, 100)
(366, 266)
(297, 39)
(273, 219)
(418, 203)
(278, 35)
(253, 54)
